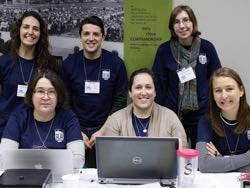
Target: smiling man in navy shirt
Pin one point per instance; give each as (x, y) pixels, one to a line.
(97, 83)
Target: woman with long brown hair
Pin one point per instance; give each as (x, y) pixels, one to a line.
(29, 51)
(224, 135)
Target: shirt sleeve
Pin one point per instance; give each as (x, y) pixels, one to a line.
(119, 101)
(207, 163)
(72, 127)
(120, 93)
(12, 130)
(214, 60)
(112, 127)
(178, 130)
(78, 150)
(9, 144)
(160, 76)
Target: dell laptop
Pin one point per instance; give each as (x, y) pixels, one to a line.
(137, 160)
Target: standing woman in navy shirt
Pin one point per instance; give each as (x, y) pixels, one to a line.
(29, 51)
(182, 68)
(43, 123)
(224, 135)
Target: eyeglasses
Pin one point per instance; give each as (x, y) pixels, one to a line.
(41, 93)
(185, 21)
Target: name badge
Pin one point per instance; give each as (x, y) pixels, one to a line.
(92, 87)
(21, 90)
(186, 74)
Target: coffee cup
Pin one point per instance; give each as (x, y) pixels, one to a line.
(70, 181)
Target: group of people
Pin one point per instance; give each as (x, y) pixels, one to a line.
(34, 106)
(187, 94)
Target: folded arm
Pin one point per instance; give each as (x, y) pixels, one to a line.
(208, 163)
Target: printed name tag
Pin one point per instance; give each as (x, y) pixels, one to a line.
(92, 87)
(186, 74)
(21, 90)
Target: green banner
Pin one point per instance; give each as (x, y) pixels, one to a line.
(145, 28)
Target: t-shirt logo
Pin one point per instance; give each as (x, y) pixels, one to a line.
(59, 135)
(203, 59)
(106, 74)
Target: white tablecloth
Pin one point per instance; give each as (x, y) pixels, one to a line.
(88, 179)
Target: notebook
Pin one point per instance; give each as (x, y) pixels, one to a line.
(60, 161)
(136, 160)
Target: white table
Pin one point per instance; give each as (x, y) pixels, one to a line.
(202, 180)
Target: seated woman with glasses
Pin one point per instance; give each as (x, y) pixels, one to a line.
(144, 117)
(43, 123)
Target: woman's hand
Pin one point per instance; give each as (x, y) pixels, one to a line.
(211, 149)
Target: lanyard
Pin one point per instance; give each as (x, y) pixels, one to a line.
(99, 72)
(21, 69)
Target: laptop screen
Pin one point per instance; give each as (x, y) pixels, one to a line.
(136, 160)
(60, 161)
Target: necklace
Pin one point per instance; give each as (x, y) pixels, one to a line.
(145, 127)
(43, 141)
(21, 69)
(138, 131)
(231, 124)
(237, 142)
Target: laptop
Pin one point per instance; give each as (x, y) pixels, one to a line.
(137, 160)
(59, 161)
(24, 178)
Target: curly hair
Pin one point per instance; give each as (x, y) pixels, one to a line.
(43, 58)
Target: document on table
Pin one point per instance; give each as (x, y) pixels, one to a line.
(217, 180)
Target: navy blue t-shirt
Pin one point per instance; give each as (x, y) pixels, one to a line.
(22, 128)
(10, 77)
(223, 144)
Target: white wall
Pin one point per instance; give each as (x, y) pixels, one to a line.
(226, 23)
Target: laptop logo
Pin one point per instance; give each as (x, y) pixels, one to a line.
(137, 160)
(38, 166)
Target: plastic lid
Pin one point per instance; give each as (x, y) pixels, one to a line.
(188, 153)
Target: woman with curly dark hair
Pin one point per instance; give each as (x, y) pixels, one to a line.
(29, 52)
